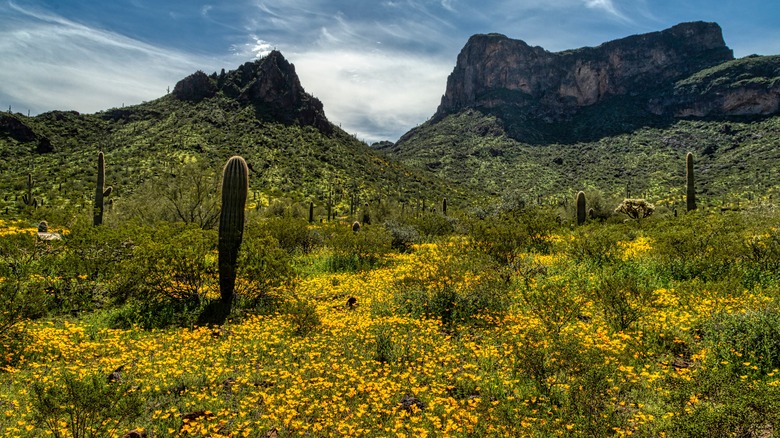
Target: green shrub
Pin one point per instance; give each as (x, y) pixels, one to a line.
(623, 294)
(302, 316)
(403, 236)
(263, 266)
(88, 407)
(506, 235)
(746, 337)
(352, 251)
(461, 288)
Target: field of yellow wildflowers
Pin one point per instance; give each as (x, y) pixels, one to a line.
(507, 326)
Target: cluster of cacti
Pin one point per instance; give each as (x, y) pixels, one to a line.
(101, 191)
(581, 213)
(635, 208)
(690, 188)
(235, 188)
(27, 198)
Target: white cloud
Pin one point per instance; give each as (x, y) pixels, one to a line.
(378, 95)
(70, 66)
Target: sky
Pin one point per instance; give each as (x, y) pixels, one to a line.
(379, 67)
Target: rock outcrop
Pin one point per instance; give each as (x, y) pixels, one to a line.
(270, 84)
(494, 71)
(12, 127)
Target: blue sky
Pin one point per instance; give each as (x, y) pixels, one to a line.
(379, 67)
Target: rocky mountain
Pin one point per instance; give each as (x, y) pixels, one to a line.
(677, 72)
(614, 118)
(259, 110)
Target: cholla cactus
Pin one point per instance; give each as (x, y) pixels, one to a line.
(635, 208)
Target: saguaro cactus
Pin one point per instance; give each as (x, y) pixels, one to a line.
(101, 191)
(235, 187)
(691, 188)
(311, 212)
(27, 198)
(581, 212)
(444, 207)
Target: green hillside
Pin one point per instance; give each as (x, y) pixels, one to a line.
(152, 141)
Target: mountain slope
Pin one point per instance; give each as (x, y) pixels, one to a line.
(259, 111)
(520, 119)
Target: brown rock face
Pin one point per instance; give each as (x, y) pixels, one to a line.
(270, 84)
(493, 70)
(12, 127)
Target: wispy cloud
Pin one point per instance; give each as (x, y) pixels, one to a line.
(67, 65)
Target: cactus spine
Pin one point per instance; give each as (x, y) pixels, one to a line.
(235, 187)
(690, 189)
(581, 213)
(101, 191)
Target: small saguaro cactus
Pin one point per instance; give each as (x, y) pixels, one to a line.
(311, 212)
(235, 188)
(444, 207)
(101, 191)
(690, 192)
(581, 212)
(356, 226)
(366, 214)
(27, 198)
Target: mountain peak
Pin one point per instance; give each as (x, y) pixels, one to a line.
(493, 70)
(270, 84)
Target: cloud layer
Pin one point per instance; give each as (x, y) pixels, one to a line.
(379, 66)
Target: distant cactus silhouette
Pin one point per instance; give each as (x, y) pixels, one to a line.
(444, 207)
(356, 226)
(311, 212)
(581, 213)
(27, 198)
(690, 188)
(101, 191)
(235, 187)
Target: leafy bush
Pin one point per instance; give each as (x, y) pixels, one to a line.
(86, 407)
(403, 236)
(746, 337)
(506, 235)
(456, 289)
(623, 293)
(352, 251)
(262, 267)
(302, 316)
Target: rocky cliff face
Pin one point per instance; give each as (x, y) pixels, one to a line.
(270, 84)
(495, 71)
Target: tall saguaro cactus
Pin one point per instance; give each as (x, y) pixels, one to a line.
(690, 192)
(581, 213)
(235, 187)
(101, 191)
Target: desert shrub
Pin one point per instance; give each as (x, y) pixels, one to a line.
(352, 251)
(457, 288)
(751, 336)
(85, 407)
(623, 293)
(595, 245)
(262, 267)
(506, 235)
(302, 316)
(698, 246)
(169, 279)
(433, 225)
(403, 235)
(293, 234)
(556, 295)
